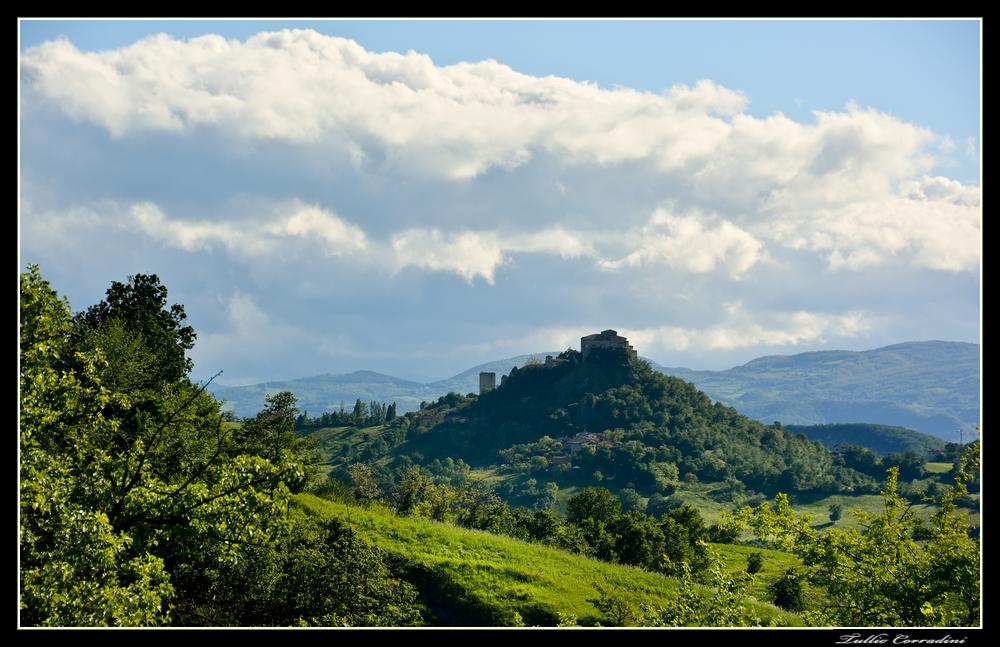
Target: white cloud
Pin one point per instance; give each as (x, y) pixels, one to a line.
(932, 223)
(311, 222)
(740, 329)
(849, 186)
(737, 329)
(554, 240)
(453, 121)
(189, 235)
(693, 243)
(250, 236)
(468, 254)
(707, 96)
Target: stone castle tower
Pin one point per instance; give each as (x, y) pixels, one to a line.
(606, 339)
(487, 382)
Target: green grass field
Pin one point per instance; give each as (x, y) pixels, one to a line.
(473, 578)
(938, 468)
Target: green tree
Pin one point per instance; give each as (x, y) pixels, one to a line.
(409, 490)
(786, 591)
(593, 503)
(143, 338)
(594, 511)
(365, 486)
(836, 512)
(639, 540)
(119, 490)
(360, 413)
(881, 574)
(630, 500)
(330, 577)
(547, 499)
(755, 562)
(684, 536)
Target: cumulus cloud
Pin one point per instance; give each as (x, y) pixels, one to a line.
(847, 185)
(249, 236)
(457, 120)
(688, 243)
(740, 329)
(931, 223)
(281, 227)
(311, 222)
(468, 254)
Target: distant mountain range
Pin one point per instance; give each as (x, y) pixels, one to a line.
(931, 386)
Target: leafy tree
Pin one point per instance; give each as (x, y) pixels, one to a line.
(330, 577)
(881, 574)
(755, 562)
(684, 536)
(722, 534)
(593, 503)
(113, 499)
(639, 540)
(360, 412)
(594, 511)
(365, 486)
(786, 591)
(725, 605)
(438, 501)
(910, 465)
(547, 499)
(316, 573)
(144, 339)
(630, 500)
(271, 435)
(836, 512)
(409, 489)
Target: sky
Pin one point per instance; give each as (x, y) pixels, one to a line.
(418, 197)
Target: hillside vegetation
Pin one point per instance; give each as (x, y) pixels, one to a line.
(143, 503)
(469, 577)
(647, 431)
(881, 439)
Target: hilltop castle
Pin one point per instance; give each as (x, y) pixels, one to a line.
(605, 339)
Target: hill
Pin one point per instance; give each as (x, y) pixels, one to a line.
(473, 578)
(932, 387)
(881, 439)
(613, 418)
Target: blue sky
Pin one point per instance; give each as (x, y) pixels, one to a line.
(416, 197)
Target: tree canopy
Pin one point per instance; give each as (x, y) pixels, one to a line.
(138, 505)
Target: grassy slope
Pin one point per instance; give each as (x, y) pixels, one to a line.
(469, 577)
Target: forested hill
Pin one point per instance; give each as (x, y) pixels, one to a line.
(931, 386)
(881, 439)
(630, 422)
